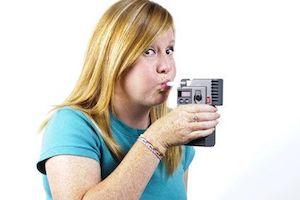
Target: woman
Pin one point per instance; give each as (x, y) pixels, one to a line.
(114, 137)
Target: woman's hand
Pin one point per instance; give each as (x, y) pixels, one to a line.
(182, 125)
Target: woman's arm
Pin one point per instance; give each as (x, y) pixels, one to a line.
(76, 178)
(70, 177)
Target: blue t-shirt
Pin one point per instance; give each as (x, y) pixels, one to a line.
(71, 132)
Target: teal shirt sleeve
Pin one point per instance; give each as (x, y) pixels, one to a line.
(68, 133)
(189, 153)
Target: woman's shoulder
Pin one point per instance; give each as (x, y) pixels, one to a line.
(69, 132)
(68, 121)
(68, 115)
(69, 112)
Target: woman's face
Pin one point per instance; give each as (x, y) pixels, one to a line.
(143, 83)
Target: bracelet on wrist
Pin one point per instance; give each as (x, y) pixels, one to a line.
(152, 148)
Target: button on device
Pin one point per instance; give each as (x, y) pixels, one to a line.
(186, 101)
(198, 95)
(207, 99)
(180, 100)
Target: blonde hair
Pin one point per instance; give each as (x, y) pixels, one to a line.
(122, 34)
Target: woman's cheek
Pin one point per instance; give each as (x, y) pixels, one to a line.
(149, 73)
(147, 80)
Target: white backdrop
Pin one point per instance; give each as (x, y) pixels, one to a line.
(253, 45)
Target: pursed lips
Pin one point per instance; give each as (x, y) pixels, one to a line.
(164, 86)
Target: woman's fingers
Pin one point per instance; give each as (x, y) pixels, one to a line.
(185, 123)
(195, 126)
(199, 134)
(196, 108)
(206, 116)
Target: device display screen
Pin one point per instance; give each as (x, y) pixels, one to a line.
(185, 93)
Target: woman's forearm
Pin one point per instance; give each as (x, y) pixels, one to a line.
(130, 178)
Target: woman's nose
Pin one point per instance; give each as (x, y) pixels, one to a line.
(165, 66)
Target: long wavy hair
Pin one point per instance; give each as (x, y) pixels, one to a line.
(122, 34)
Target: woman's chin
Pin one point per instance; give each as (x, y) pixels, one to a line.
(163, 95)
(160, 98)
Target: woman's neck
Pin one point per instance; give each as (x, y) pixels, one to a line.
(135, 116)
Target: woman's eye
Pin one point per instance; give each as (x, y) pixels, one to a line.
(170, 51)
(149, 52)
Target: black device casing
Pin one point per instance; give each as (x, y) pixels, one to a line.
(201, 91)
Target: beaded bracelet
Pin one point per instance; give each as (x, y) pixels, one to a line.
(153, 149)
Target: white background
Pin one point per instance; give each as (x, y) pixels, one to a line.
(253, 45)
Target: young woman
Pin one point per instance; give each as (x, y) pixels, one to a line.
(114, 137)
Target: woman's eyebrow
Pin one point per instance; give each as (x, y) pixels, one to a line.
(170, 43)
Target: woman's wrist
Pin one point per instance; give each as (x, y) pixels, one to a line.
(155, 141)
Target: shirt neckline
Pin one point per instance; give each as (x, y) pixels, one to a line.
(118, 124)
